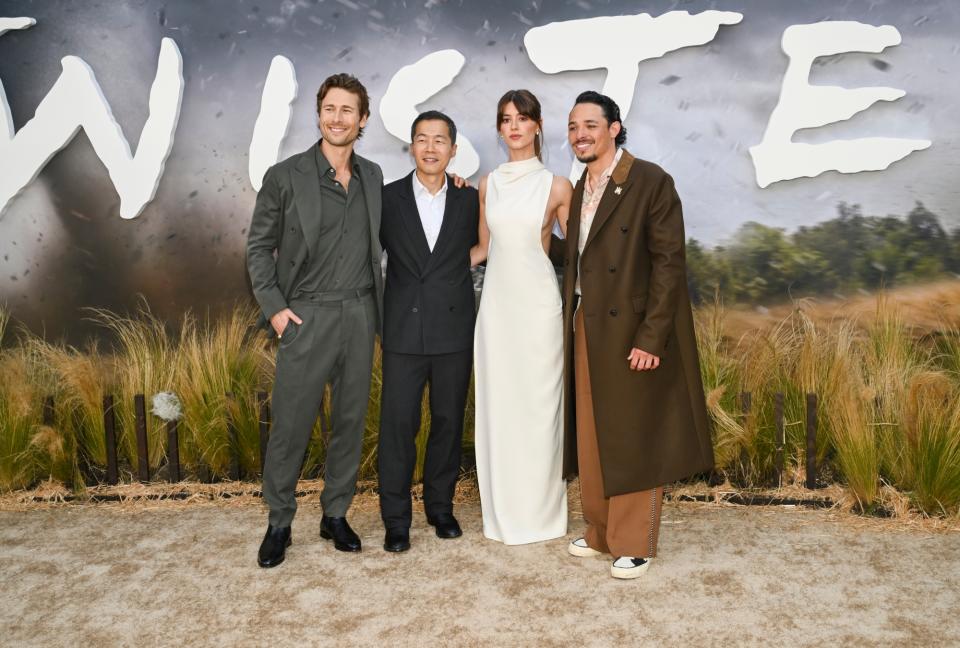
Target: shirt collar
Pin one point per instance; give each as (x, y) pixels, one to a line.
(324, 167)
(420, 190)
(609, 170)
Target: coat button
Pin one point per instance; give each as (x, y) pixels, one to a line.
(415, 309)
(293, 229)
(566, 262)
(292, 264)
(453, 308)
(623, 228)
(614, 312)
(612, 268)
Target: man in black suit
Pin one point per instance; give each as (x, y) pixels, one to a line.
(427, 229)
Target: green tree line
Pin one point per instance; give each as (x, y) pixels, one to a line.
(847, 253)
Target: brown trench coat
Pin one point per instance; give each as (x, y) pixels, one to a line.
(652, 426)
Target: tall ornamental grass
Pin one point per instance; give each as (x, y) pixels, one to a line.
(219, 368)
(888, 407)
(887, 401)
(20, 417)
(929, 449)
(82, 377)
(144, 362)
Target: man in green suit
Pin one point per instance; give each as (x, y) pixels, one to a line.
(313, 254)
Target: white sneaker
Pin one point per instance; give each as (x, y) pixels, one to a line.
(581, 549)
(629, 567)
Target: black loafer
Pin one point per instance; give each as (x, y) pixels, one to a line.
(397, 540)
(445, 525)
(337, 529)
(274, 546)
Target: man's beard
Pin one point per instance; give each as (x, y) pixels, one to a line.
(587, 159)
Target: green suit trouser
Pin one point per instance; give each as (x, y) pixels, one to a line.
(334, 344)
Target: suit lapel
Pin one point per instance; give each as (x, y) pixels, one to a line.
(410, 217)
(616, 188)
(573, 220)
(373, 198)
(306, 196)
(450, 208)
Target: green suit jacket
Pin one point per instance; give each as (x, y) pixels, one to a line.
(286, 225)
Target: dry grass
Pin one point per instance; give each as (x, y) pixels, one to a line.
(887, 377)
(145, 363)
(220, 357)
(136, 497)
(931, 306)
(881, 419)
(84, 377)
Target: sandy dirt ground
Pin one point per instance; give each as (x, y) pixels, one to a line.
(185, 574)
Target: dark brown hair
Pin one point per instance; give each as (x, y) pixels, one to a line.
(349, 83)
(611, 112)
(527, 105)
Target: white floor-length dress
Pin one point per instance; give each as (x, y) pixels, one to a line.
(518, 353)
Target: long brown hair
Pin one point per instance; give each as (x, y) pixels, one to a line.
(527, 105)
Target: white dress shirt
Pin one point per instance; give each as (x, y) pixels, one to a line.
(431, 208)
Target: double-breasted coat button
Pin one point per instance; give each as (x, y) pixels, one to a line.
(612, 268)
(614, 312)
(415, 309)
(623, 228)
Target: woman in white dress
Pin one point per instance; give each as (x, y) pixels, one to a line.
(518, 345)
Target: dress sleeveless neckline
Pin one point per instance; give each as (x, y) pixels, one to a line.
(510, 172)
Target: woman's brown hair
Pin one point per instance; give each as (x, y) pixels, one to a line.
(527, 105)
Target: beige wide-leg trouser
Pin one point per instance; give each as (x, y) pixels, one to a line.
(622, 525)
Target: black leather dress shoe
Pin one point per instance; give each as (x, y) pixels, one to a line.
(274, 546)
(397, 540)
(337, 529)
(446, 525)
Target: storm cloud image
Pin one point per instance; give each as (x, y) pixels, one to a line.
(696, 111)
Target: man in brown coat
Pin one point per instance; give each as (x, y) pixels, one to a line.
(635, 413)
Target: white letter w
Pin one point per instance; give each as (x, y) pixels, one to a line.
(76, 101)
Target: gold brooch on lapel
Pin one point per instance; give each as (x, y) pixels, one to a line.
(618, 190)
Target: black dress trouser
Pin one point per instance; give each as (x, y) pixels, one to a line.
(404, 378)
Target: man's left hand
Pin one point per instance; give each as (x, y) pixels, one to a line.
(640, 360)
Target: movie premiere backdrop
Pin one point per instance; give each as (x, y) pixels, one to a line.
(814, 144)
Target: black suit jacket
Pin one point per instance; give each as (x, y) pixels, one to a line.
(428, 301)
